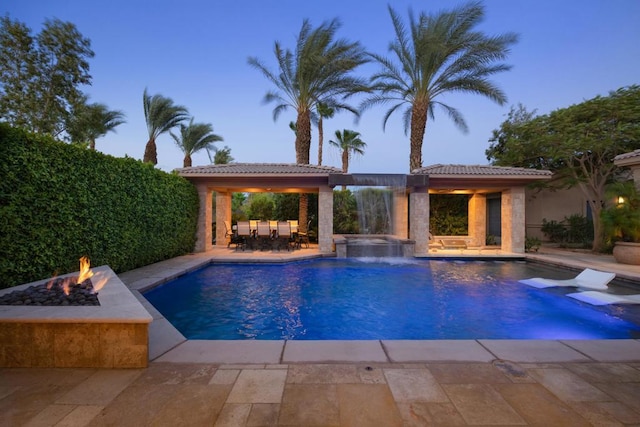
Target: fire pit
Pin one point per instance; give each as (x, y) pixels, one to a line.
(113, 334)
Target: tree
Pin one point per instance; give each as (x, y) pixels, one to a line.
(349, 143)
(40, 77)
(195, 137)
(89, 122)
(161, 115)
(222, 156)
(577, 143)
(319, 70)
(438, 54)
(324, 111)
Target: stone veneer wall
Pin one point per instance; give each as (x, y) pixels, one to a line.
(74, 345)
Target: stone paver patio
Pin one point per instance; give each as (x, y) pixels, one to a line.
(337, 383)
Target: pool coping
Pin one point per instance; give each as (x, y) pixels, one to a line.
(166, 344)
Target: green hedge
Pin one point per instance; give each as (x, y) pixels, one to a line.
(59, 202)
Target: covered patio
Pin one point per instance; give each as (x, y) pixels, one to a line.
(410, 197)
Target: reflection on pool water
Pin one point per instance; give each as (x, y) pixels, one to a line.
(365, 299)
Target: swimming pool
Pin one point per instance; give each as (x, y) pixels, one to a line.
(349, 299)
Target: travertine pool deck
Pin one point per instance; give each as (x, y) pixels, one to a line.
(338, 383)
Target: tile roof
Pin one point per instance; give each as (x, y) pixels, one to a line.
(480, 170)
(258, 169)
(634, 153)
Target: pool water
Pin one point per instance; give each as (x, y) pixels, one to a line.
(366, 299)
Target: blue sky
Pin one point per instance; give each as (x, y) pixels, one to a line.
(195, 52)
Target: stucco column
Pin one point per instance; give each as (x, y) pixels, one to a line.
(400, 214)
(478, 219)
(325, 219)
(513, 220)
(205, 217)
(223, 213)
(419, 220)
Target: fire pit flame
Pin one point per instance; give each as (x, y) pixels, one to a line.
(85, 273)
(85, 270)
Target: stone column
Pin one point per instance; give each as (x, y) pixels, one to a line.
(513, 220)
(400, 214)
(636, 176)
(419, 219)
(223, 213)
(478, 219)
(325, 219)
(204, 234)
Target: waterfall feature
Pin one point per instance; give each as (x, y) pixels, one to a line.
(374, 194)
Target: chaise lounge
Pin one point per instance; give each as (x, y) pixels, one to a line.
(588, 279)
(603, 298)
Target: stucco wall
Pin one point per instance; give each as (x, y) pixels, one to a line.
(551, 205)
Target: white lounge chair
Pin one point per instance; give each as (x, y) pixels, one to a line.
(603, 298)
(588, 279)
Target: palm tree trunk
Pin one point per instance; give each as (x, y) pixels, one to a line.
(303, 208)
(303, 145)
(345, 160)
(320, 138)
(345, 164)
(150, 152)
(418, 125)
(187, 161)
(303, 136)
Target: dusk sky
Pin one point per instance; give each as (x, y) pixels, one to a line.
(195, 52)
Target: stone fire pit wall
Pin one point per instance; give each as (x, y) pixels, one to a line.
(112, 335)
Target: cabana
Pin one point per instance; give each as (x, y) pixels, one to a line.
(410, 200)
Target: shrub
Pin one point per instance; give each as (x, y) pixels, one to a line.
(59, 202)
(574, 229)
(622, 221)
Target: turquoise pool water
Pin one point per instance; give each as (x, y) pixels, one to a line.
(352, 299)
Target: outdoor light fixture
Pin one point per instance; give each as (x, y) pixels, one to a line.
(620, 200)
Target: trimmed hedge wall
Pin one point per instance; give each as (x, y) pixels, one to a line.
(59, 202)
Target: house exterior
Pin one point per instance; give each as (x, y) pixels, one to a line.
(557, 204)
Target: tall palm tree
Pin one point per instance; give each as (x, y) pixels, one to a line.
(92, 121)
(319, 69)
(349, 142)
(161, 115)
(193, 138)
(324, 111)
(437, 54)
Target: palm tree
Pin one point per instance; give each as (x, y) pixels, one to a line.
(324, 111)
(223, 156)
(350, 143)
(161, 115)
(318, 70)
(438, 54)
(92, 121)
(193, 138)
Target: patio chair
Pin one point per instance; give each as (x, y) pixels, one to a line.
(588, 278)
(244, 234)
(253, 224)
(263, 234)
(284, 235)
(303, 235)
(453, 243)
